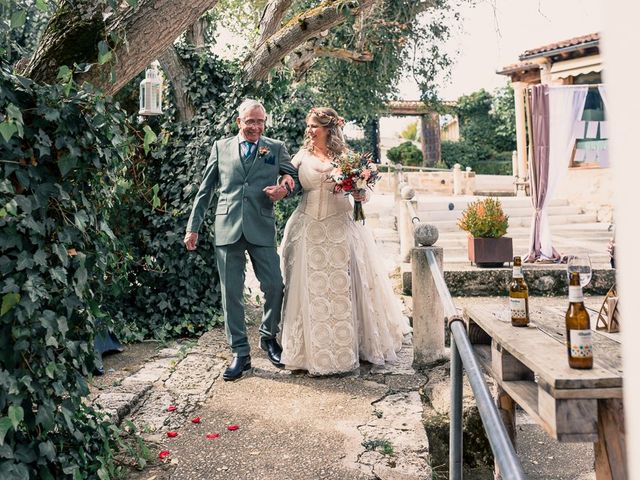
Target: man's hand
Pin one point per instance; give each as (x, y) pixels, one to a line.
(275, 192)
(287, 181)
(190, 240)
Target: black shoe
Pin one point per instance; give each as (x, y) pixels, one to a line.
(273, 349)
(238, 365)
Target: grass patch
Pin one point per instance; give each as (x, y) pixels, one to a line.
(381, 445)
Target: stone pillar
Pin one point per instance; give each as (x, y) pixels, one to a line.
(428, 313)
(405, 224)
(521, 136)
(457, 179)
(397, 180)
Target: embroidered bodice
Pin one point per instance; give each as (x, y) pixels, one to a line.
(318, 199)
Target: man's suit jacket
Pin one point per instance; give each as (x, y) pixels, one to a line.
(242, 208)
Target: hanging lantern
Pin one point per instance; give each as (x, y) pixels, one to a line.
(151, 91)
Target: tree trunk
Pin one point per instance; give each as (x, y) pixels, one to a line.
(296, 32)
(71, 37)
(177, 74)
(195, 34)
(145, 31)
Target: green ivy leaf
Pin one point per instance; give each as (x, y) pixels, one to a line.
(66, 164)
(16, 414)
(9, 301)
(65, 74)
(41, 5)
(5, 425)
(18, 18)
(7, 130)
(104, 53)
(81, 220)
(149, 138)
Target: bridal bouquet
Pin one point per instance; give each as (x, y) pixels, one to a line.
(354, 172)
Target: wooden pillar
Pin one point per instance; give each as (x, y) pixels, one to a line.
(374, 131)
(521, 135)
(610, 449)
(507, 410)
(430, 138)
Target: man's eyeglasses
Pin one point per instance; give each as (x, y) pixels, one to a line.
(253, 123)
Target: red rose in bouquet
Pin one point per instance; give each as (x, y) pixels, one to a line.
(354, 172)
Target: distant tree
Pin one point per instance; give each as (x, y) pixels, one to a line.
(406, 153)
(410, 132)
(487, 131)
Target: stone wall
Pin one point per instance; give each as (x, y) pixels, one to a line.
(435, 183)
(547, 281)
(590, 189)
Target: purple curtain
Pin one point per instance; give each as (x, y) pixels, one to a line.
(539, 167)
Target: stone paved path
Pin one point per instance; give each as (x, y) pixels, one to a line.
(292, 426)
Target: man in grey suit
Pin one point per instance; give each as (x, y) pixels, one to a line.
(244, 171)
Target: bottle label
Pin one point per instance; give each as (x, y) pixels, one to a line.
(517, 272)
(581, 344)
(575, 293)
(518, 307)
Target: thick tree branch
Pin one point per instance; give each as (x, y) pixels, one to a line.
(177, 74)
(296, 32)
(144, 32)
(272, 17)
(344, 54)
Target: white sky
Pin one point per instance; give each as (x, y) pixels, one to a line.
(495, 32)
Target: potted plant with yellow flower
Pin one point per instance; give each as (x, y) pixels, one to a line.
(486, 223)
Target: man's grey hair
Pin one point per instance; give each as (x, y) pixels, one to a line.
(248, 105)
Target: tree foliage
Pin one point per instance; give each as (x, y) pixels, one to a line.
(406, 153)
(63, 154)
(487, 130)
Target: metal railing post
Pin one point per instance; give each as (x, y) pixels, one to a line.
(455, 425)
(462, 355)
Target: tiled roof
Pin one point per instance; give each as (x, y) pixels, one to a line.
(518, 67)
(575, 41)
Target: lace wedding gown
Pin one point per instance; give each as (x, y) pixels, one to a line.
(339, 305)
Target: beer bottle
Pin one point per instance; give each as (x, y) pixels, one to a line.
(518, 296)
(579, 343)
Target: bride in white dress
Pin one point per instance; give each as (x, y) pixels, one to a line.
(339, 306)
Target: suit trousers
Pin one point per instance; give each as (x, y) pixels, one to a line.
(231, 262)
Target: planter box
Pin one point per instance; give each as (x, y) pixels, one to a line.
(490, 252)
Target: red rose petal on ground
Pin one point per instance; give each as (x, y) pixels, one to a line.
(233, 427)
(164, 454)
(172, 434)
(171, 408)
(213, 435)
(195, 420)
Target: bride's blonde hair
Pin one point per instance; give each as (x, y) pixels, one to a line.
(328, 118)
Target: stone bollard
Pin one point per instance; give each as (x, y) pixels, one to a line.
(457, 179)
(405, 224)
(397, 180)
(428, 313)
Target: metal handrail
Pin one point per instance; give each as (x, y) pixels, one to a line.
(412, 211)
(462, 355)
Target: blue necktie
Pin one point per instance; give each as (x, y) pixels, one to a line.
(247, 150)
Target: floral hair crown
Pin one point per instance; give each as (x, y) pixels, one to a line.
(337, 120)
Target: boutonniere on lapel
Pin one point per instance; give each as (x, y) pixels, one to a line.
(263, 152)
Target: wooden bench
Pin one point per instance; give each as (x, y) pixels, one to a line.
(531, 368)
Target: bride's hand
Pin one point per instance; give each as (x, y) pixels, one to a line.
(360, 195)
(287, 182)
